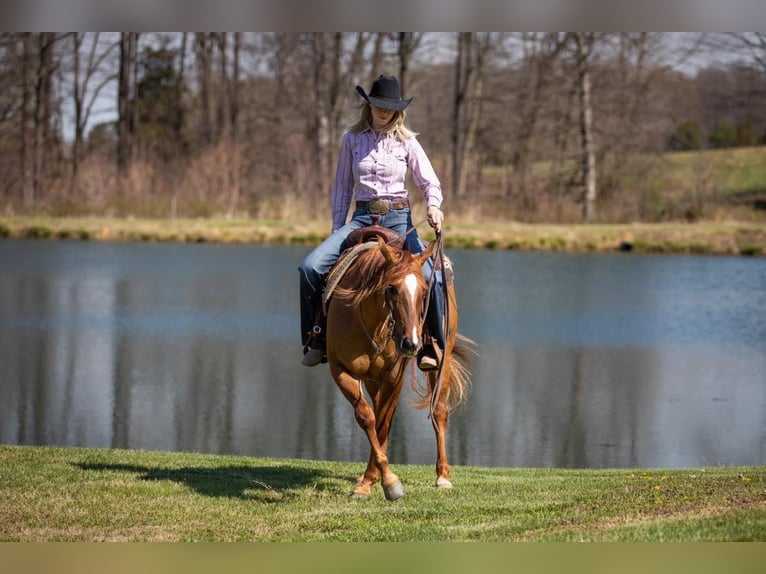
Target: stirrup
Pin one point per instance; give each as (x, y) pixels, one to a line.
(314, 352)
(429, 358)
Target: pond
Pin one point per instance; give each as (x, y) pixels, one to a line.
(585, 360)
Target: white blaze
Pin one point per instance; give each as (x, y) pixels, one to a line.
(411, 283)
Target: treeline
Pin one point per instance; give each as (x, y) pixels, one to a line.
(530, 126)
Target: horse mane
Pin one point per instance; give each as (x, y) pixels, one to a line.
(371, 273)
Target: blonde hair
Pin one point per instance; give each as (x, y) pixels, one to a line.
(396, 126)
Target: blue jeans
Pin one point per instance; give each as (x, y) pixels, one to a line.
(316, 266)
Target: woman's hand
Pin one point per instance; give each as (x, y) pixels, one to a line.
(435, 218)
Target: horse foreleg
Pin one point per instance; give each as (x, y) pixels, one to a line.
(365, 417)
(439, 418)
(386, 400)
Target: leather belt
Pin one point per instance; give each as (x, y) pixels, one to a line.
(381, 206)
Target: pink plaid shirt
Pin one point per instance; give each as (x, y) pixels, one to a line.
(375, 165)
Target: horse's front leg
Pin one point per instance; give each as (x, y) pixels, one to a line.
(365, 417)
(439, 419)
(386, 398)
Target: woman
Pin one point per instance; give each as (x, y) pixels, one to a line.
(375, 155)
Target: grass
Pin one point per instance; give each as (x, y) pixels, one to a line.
(721, 238)
(75, 494)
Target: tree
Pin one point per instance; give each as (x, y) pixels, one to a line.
(752, 43)
(126, 101)
(688, 136)
(472, 50)
(203, 49)
(540, 55)
(723, 135)
(156, 103)
(84, 93)
(584, 49)
(406, 45)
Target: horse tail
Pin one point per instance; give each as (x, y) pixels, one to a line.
(459, 383)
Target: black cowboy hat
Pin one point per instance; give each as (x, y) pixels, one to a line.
(385, 93)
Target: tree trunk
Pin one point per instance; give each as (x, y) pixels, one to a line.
(77, 96)
(125, 106)
(408, 43)
(377, 57)
(25, 179)
(469, 85)
(319, 116)
(235, 175)
(222, 101)
(588, 154)
(203, 51)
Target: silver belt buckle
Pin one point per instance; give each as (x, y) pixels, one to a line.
(379, 206)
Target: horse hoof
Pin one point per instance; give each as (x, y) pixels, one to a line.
(394, 491)
(361, 491)
(442, 482)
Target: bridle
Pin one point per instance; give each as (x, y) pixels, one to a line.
(390, 322)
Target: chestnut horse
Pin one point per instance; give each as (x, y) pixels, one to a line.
(374, 329)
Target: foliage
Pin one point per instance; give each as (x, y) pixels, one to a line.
(159, 113)
(723, 135)
(688, 136)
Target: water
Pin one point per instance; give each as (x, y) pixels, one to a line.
(586, 360)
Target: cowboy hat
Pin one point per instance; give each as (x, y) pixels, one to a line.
(385, 93)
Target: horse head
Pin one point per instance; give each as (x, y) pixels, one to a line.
(405, 296)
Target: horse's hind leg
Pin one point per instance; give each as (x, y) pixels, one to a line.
(439, 419)
(365, 417)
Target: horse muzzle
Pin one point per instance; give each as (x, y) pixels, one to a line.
(408, 347)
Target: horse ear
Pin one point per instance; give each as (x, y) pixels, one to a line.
(427, 253)
(386, 251)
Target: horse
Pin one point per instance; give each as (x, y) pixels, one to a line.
(375, 315)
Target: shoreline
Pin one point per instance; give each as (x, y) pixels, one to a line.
(733, 238)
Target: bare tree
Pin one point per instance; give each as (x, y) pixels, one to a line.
(406, 43)
(541, 52)
(44, 140)
(469, 84)
(377, 54)
(27, 187)
(584, 45)
(126, 127)
(84, 93)
(204, 55)
(752, 43)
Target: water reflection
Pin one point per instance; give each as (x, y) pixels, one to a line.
(586, 361)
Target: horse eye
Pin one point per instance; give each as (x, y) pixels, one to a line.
(391, 290)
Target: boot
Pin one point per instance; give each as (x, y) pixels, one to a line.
(430, 356)
(313, 357)
(314, 351)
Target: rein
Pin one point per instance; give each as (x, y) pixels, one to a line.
(438, 256)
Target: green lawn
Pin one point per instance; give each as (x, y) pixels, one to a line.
(74, 494)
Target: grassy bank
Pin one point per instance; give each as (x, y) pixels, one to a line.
(721, 238)
(66, 494)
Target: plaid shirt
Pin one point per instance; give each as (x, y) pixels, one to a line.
(375, 165)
